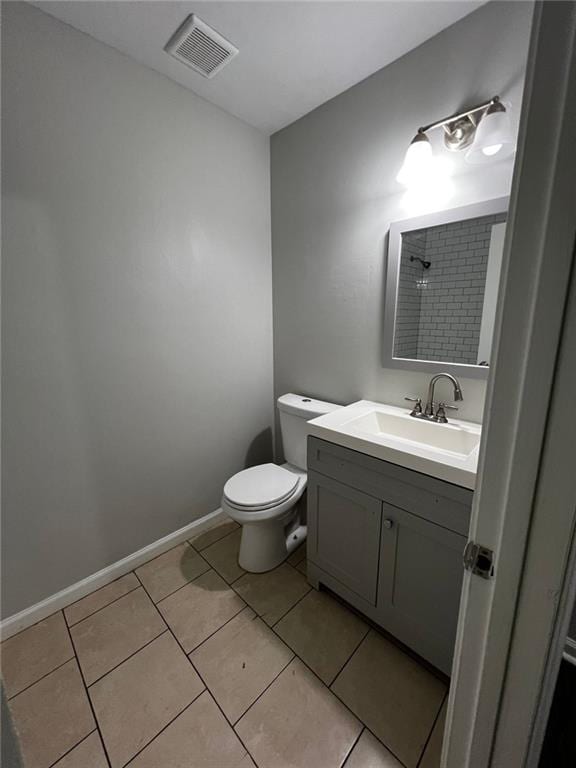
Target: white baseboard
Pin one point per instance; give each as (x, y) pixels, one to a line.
(50, 605)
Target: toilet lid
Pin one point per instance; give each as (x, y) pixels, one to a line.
(260, 486)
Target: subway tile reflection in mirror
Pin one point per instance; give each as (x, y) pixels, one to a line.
(444, 311)
(442, 288)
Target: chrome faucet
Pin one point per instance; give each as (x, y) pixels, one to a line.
(440, 415)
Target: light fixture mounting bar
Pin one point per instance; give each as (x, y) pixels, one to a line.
(459, 115)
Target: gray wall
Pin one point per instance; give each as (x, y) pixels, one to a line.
(137, 320)
(334, 196)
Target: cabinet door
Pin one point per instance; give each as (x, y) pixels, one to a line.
(344, 534)
(419, 584)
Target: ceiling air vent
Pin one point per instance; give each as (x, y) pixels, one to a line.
(200, 47)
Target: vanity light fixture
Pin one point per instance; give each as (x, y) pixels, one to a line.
(484, 130)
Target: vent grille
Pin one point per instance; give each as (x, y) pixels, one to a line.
(200, 47)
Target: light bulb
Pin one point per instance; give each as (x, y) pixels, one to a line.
(493, 136)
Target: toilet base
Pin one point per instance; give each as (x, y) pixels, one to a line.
(266, 544)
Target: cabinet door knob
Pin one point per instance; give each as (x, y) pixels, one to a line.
(388, 523)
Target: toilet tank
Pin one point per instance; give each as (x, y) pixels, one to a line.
(295, 411)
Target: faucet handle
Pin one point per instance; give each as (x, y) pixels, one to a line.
(417, 408)
(441, 412)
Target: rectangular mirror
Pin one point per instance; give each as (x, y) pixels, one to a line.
(442, 282)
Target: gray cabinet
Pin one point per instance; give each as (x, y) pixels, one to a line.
(419, 583)
(344, 534)
(390, 542)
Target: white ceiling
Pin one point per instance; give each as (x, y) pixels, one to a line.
(293, 56)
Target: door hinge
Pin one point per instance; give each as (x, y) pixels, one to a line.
(479, 560)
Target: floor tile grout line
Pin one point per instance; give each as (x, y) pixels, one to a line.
(218, 541)
(436, 719)
(205, 687)
(31, 626)
(212, 542)
(235, 723)
(346, 705)
(343, 764)
(394, 755)
(260, 615)
(224, 716)
(364, 724)
(82, 740)
(165, 597)
(209, 568)
(94, 592)
(349, 657)
(90, 704)
(291, 608)
(112, 669)
(164, 727)
(197, 647)
(46, 674)
(103, 607)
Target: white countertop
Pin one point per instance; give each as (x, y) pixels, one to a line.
(347, 427)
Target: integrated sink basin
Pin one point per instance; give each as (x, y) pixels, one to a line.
(446, 451)
(450, 437)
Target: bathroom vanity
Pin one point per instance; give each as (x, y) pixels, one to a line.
(389, 538)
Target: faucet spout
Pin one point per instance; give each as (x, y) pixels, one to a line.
(458, 396)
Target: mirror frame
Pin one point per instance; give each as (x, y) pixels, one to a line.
(397, 230)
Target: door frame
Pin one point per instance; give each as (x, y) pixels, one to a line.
(496, 708)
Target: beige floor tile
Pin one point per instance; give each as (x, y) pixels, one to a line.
(240, 661)
(200, 608)
(141, 696)
(433, 751)
(170, 571)
(223, 556)
(302, 566)
(216, 533)
(88, 754)
(392, 694)
(109, 636)
(100, 598)
(298, 723)
(298, 555)
(52, 716)
(199, 738)
(370, 753)
(34, 652)
(323, 633)
(272, 594)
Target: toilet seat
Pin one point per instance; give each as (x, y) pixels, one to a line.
(261, 487)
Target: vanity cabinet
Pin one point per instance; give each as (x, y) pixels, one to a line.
(389, 541)
(345, 534)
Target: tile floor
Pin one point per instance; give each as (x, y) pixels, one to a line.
(190, 662)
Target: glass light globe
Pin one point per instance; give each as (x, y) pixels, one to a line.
(416, 162)
(493, 136)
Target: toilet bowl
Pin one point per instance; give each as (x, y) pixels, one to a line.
(264, 499)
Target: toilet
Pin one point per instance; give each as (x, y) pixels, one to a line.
(264, 499)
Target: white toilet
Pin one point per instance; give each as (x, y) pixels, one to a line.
(264, 499)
